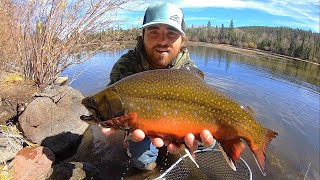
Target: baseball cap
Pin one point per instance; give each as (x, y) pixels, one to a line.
(165, 13)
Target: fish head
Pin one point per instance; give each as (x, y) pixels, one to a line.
(103, 106)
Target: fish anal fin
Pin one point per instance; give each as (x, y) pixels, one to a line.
(233, 148)
(260, 153)
(122, 122)
(228, 160)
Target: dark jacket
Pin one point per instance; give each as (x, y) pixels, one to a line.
(134, 62)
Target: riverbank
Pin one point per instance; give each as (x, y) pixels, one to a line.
(247, 52)
(16, 93)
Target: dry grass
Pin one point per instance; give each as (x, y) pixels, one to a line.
(6, 172)
(13, 77)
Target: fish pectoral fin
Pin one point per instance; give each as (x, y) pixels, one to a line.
(122, 123)
(190, 156)
(228, 160)
(231, 149)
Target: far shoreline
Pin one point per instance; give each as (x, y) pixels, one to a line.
(245, 51)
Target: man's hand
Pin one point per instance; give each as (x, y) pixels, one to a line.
(190, 141)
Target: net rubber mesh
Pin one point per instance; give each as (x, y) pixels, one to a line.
(212, 166)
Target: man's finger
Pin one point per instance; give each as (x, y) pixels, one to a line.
(158, 142)
(191, 142)
(173, 149)
(108, 131)
(206, 138)
(137, 135)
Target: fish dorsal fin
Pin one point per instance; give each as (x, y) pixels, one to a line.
(249, 110)
(194, 70)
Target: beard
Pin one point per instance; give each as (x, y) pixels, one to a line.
(160, 57)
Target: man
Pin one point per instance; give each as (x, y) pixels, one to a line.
(161, 46)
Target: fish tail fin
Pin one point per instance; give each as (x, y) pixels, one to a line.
(232, 149)
(260, 153)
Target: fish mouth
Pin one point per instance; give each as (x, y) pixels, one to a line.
(88, 117)
(94, 117)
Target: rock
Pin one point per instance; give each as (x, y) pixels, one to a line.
(33, 163)
(62, 80)
(10, 142)
(75, 171)
(105, 153)
(53, 119)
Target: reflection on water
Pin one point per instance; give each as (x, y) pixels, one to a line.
(299, 72)
(284, 95)
(284, 98)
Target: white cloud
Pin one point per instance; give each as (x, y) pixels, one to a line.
(199, 18)
(297, 24)
(304, 11)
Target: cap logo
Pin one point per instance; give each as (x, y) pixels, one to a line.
(175, 18)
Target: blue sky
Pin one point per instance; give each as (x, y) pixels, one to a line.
(302, 14)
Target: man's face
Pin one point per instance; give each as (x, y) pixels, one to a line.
(162, 44)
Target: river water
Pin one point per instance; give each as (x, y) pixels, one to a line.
(285, 96)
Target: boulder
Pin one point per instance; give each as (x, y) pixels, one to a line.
(105, 153)
(52, 119)
(33, 163)
(75, 170)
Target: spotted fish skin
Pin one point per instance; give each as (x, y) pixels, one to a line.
(171, 103)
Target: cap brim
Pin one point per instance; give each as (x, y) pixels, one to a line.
(166, 23)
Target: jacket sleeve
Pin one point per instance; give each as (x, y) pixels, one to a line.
(185, 62)
(125, 66)
(118, 69)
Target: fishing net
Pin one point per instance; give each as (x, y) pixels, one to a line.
(212, 166)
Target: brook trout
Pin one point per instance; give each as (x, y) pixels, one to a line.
(170, 103)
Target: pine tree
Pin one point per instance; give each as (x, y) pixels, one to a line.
(209, 24)
(231, 27)
(231, 36)
(221, 36)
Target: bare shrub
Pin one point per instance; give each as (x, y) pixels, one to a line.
(8, 55)
(43, 37)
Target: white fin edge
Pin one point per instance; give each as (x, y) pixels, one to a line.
(263, 173)
(229, 161)
(190, 156)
